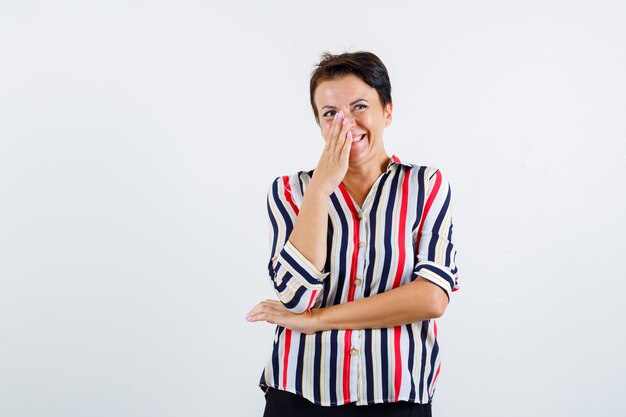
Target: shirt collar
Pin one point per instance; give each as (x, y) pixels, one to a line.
(396, 161)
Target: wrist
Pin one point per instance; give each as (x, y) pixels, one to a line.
(315, 317)
(318, 189)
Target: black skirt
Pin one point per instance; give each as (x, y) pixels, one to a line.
(279, 403)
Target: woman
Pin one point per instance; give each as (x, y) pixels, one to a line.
(362, 262)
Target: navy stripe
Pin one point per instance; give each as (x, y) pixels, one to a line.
(281, 208)
(384, 364)
(437, 271)
(297, 296)
(329, 279)
(387, 238)
(332, 378)
(317, 364)
(423, 335)
(369, 366)
(283, 284)
(293, 264)
(449, 248)
(300, 182)
(409, 331)
(436, 227)
(421, 187)
(343, 251)
(275, 361)
(369, 273)
(300, 362)
(433, 359)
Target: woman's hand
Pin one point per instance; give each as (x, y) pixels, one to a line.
(333, 163)
(273, 311)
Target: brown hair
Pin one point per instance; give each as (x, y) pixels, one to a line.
(365, 65)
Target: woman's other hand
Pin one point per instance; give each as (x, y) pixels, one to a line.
(273, 311)
(333, 164)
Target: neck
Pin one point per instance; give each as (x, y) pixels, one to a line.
(368, 171)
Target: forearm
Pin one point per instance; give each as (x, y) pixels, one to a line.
(410, 303)
(310, 230)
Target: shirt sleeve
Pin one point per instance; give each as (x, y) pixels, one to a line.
(297, 282)
(436, 253)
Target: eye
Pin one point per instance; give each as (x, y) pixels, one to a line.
(328, 112)
(361, 105)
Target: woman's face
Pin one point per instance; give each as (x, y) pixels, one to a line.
(361, 105)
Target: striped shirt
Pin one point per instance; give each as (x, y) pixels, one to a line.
(403, 230)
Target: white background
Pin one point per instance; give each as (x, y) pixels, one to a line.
(138, 141)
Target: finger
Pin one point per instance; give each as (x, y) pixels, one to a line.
(328, 134)
(336, 129)
(341, 140)
(345, 151)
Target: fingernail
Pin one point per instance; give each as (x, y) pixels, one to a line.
(345, 121)
(340, 114)
(247, 317)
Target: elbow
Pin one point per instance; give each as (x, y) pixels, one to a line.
(438, 303)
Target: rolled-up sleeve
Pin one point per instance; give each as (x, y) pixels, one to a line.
(297, 282)
(436, 253)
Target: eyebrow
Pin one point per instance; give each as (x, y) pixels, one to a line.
(354, 102)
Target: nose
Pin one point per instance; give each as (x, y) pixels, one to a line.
(348, 115)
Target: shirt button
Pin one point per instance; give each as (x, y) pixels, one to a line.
(361, 244)
(359, 215)
(353, 351)
(357, 281)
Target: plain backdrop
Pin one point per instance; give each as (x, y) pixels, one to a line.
(138, 140)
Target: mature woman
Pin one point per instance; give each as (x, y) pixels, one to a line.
(362, 262)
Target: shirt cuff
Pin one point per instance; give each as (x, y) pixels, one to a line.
(299, 266)
(438, 275)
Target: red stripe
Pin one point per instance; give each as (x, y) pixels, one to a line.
(432, 384)
(401, 239)
(311, 300)
(286, 357)
(289, 198)
(396, 282)
(429, 203)
(435, 328)
(351, 290)
(288, 195)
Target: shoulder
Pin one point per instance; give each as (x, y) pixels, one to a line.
(429, 177)
(289, 185)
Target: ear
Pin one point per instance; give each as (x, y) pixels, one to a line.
(387, 112)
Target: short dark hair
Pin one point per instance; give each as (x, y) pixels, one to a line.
(365, 65)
